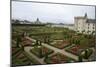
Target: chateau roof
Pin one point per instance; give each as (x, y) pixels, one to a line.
(79, 17)
(88, 20)
(91, 21)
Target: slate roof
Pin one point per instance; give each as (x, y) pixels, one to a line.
(79, 17)
(91, 21)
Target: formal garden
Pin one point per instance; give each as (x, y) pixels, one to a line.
(62, 38)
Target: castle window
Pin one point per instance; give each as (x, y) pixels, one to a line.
(88, 24)
(93, 24)
(93, 28)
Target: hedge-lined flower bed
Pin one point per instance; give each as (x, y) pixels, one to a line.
(41, 51)
(16, 52)
(75, 49)
(61, 44)
(19, 57)
(58, 58)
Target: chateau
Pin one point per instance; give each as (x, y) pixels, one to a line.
(85, 25)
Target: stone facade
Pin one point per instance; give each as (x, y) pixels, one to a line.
(85, 25)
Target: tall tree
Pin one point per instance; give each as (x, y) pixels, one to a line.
(18, 41)
(80, 58)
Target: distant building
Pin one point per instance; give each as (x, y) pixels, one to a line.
(85, 25)
(37, 21)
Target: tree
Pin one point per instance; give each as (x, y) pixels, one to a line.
(36, 43)
(80, 58)
(46, 37)
(86, 53)
(22, 48)
(46, 56)
(77, 42)
(40, 52)
(23, 34)
(65, 34)
(18, 41)
(40, 43)
(17, 22)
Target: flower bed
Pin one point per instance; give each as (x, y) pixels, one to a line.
(41, 52)
(75, 49)
(61, 44)
(58, 58)
(19, 58)
(16, 52)
(26, 42)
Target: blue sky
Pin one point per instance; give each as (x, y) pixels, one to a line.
(55, 13)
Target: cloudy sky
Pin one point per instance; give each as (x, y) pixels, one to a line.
(56, 13)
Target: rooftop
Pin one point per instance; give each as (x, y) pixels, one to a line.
(91, 21)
